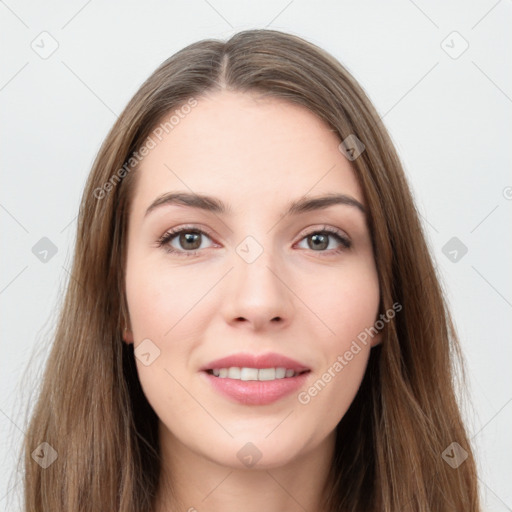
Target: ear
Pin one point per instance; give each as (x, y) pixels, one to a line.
(377, 339)
(127, 335)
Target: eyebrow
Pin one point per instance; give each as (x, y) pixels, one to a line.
(214, 205)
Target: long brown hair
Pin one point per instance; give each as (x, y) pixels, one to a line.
(91, 409)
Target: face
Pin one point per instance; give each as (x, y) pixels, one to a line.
(250, 279)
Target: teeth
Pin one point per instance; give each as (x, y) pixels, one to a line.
(267, 374)
(253, 373)
(280, 373)
(234, 373)
(249, 374)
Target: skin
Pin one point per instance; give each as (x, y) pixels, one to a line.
(257, 155)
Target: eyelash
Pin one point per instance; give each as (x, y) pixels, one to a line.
(171, 234)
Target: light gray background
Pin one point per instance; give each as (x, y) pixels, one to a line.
(449, 116)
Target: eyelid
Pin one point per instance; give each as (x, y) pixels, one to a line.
(325, 227)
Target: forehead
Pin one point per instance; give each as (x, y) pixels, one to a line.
(245, 149)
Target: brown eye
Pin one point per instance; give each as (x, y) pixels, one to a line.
(319, 241)
(183, 242)
(189, 240)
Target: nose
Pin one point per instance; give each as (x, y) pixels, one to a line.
(258, 295)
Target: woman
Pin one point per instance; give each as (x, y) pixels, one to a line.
(253, 320)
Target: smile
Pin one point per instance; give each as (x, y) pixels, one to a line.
(262, 374)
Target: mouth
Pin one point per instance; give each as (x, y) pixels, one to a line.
(255, 379)
(256, 386)
(255, 374)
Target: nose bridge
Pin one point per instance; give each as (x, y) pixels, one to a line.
(256, 265)
(258, 293)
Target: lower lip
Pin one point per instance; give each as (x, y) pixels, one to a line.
(257, 392)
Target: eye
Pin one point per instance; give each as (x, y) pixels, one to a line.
(189, 238)
(319, 240)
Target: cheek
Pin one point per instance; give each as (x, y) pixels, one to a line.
(346, 302)
(163, 308)
(158, 302)
(347, 306)
(158, 297)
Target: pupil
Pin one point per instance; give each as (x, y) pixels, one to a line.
(188, 238)
(317, 241)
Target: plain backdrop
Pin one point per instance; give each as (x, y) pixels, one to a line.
(437, 73)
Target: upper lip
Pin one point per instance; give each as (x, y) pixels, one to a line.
(245, 360)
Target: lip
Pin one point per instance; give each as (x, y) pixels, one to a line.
(245, 360)
(255, 392)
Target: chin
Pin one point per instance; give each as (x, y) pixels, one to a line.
(256, 452)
